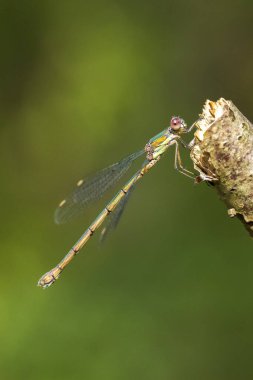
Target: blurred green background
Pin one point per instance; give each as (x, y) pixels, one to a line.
(170, 294)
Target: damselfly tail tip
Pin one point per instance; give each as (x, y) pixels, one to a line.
(46, 280)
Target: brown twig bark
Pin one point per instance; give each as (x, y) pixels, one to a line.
(222, 153)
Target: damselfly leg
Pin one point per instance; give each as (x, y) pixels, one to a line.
(178, 163)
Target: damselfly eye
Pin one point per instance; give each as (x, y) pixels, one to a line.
(176, 123)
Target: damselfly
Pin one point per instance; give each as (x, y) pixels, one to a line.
(95, 187)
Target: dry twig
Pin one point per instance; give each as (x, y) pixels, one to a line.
(222, 152)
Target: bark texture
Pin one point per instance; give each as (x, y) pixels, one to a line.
(222, 152)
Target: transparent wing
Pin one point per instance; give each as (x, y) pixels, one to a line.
(92, 189)
(114, 218)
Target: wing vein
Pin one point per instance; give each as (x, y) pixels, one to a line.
(92, 189)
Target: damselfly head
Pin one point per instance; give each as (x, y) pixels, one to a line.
(177, 124)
